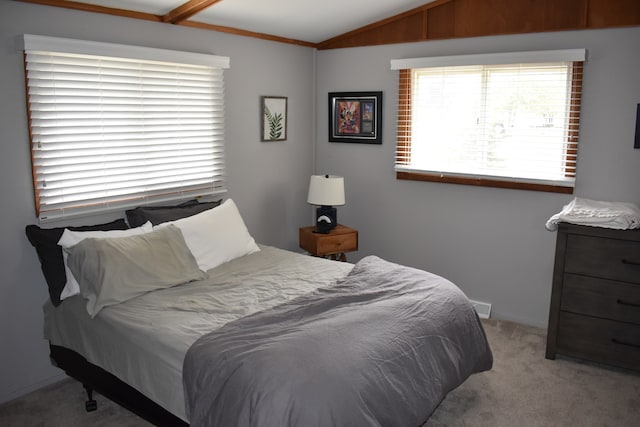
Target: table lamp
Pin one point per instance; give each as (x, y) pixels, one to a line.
(326, 191)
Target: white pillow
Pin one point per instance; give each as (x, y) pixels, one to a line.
(216, 236)
(70, 238)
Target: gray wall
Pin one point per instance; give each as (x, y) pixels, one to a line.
(490, 242)
(268, 181)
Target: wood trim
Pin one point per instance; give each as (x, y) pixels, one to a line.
(447, 19)
(403, 141)
(439, 22)
(246, 33)
(187, 10)
(565, 14)
(613, 13)
(97, 9)
(404, 16)
(574, 119)
(403, 144)
(441, 19)
(157, 18)
(482, 182)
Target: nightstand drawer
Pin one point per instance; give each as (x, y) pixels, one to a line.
(337, 243)
(600, 340)
(601, 298)
(607, 258)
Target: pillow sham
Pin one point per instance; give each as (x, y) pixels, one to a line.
(216, 236)
(114, 270)
(45, 242)
(70, 238)
(159, 214)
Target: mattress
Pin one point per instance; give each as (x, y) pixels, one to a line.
(143, 341)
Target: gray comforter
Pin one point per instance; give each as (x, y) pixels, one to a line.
(382, 347)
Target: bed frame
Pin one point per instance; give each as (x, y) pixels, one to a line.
(95, 378)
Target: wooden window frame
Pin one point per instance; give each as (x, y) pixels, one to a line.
(403, 147)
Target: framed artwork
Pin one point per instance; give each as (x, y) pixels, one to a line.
(637, 141)
(273, 123)
(355, 117)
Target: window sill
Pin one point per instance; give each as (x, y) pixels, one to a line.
(483, 182)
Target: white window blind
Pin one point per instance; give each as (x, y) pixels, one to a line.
(111, 132)
(479, 122)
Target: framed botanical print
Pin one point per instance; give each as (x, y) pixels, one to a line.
(273, 123)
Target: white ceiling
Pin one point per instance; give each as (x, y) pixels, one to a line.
(311, 21)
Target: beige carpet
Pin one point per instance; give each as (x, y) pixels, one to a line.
(523, 389)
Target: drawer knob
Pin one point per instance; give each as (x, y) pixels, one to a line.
(630, 262)
(628, 344)
(627, 303)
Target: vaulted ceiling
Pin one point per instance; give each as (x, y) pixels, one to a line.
(306, 21)
(327, 24)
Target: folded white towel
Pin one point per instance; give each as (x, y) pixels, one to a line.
(619, 215)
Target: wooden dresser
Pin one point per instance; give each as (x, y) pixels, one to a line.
(595, 299)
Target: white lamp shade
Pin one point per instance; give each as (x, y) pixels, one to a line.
(326, 190)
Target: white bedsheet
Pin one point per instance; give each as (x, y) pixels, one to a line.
(143, 341)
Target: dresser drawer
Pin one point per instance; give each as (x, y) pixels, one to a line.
(600, 257)
(601, 298)
(600, 340)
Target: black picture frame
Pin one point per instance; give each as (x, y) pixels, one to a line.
(355, 117)
(637, 142)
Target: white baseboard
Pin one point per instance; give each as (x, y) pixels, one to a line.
(482, 308)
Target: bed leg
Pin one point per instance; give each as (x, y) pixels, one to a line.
(90, 405)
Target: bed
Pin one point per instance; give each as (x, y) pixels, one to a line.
(265, 337)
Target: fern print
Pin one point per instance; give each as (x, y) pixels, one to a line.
(275, 124)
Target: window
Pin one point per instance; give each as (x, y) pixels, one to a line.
(115, 126)
(502, 120)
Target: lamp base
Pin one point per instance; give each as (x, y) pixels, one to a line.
(326, 219)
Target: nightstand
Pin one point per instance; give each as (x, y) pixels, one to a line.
(334, 244)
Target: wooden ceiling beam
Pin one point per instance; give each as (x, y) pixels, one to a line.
(67, 4)
(187, 10)
(245, 33)
(95, 8)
